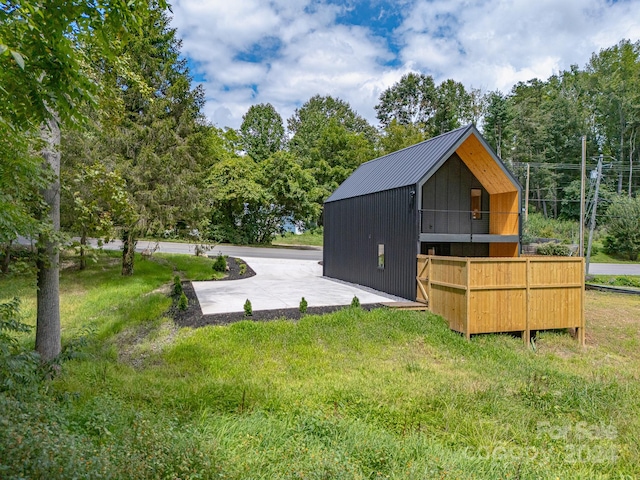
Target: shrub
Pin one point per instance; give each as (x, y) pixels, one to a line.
(554, 249)
(243, 268)
(18, 366)
(248, 310)
(623, 228)
(220, 263)
(355, 303)
(303, 305)
(177, 286)
(183, 303)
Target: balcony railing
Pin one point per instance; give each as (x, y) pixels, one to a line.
(467, 222)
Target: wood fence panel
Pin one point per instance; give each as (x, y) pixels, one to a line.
(490, 295)
(451, 304)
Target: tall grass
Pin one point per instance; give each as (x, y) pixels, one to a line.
(354, 394)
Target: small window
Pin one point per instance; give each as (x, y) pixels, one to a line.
(380, 255)
(476, 203)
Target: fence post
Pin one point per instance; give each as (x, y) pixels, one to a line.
(526, 335)
(467, 295)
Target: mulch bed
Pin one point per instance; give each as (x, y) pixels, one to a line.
(193, 317)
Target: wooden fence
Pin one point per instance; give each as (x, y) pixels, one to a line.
(490, 295)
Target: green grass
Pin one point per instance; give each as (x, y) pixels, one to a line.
(354, 394)
(603, 257)
(312, 238)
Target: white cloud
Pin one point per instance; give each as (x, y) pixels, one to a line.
(283, 52)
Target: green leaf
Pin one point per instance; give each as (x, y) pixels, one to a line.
(18, 58)
(3, 49)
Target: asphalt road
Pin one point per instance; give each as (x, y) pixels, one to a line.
(307, 253)
(614, 269)
(315, 253)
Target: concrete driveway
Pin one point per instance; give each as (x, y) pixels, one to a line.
(281, 283)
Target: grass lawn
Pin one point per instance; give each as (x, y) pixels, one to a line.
(314, 238)
(354, 394)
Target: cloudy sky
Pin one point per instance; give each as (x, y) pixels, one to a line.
(283, 52)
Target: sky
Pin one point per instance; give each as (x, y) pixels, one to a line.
(246, 52)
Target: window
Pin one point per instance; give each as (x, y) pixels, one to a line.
(380, 255)
(476, 203)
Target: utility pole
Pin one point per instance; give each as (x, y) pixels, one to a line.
(593, 213)
(526, 196)
(582, 195)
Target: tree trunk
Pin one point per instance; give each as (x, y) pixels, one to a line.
(7, 257)
(128, 252)
(48, 295)
(83, 256)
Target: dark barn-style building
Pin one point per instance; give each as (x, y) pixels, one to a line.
(450, 195)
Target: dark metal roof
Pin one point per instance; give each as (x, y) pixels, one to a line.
(404, 167)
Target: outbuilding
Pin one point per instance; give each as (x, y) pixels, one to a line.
(449, 196)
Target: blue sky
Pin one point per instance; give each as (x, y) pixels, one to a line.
(283, 52)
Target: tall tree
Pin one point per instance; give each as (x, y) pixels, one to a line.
(496, 120)
(307, 122)
(412, 100)
(160, 140)
(44, 76)
(262, 131)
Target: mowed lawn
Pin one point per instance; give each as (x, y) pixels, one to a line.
(354, 394)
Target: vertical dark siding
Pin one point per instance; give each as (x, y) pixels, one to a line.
(354, 227)
(449, 191)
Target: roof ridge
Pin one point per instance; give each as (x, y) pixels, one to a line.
(445, 134)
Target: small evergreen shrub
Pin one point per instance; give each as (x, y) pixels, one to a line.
(355, 303)
(243, 268)
(183, 303)
(177, 286)
(248, 310)
(303, 305)
(554, 249)
(220, 264)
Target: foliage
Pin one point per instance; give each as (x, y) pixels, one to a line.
(220, 263)
(262, 131)
(248, 309)
(537, 226)
(307, 123)
(416, 100)
(554, 249)
(18, 366)
(397, 136)
(409, 101)
(355, 302)
(617, 281)
(623, 228)
(303, 305)
(177, 286)
(242, 269)
(183, 302)
(97, 202)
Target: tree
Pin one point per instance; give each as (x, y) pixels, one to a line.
(158, 139)
(453, 108)
(397, 136)
(623, 228)
(262, 131)
(308, 121)
(496, 120)
(97, 203)
(43, 78)
(412, 100)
